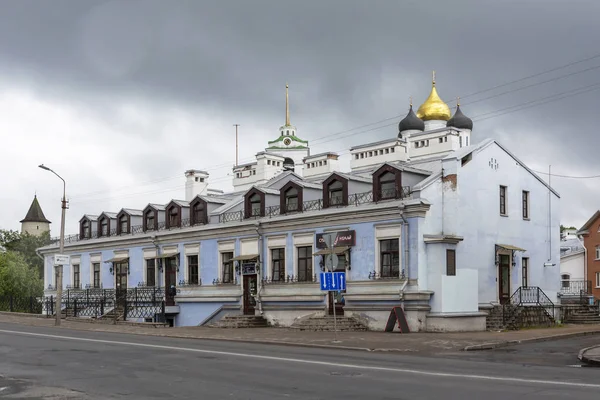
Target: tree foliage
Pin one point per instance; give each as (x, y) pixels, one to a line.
(26, 245)
(17, 278)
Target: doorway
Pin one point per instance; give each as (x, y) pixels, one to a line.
(504, 278)
(250, 288)
(170, 280)
(121, 283)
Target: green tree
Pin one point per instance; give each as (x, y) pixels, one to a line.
(26, 245)
(18, 279)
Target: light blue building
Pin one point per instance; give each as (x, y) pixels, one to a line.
(425, 220)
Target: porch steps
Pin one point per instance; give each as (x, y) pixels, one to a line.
(326, 323)
(240, 321)
(583, 315)
(498, 321)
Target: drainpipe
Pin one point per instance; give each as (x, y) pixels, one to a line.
(585, 259)
(405, 244)
(260, 264)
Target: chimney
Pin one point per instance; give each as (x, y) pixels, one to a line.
(196, 183)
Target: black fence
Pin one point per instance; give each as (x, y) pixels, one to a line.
(20, 304)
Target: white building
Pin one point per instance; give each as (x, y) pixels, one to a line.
(443, 227)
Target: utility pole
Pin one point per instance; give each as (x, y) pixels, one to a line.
(59, 268)
(236, 144)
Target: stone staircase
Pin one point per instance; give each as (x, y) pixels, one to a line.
(114, 314)
(326, 323)
(501, 318)
(582, 315)
(240, 321)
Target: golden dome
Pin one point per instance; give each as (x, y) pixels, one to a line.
(434, 108)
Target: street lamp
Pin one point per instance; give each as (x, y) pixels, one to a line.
(59, 268)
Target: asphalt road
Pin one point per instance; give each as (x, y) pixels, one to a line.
(51, 363)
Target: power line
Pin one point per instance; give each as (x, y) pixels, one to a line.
(568, 176)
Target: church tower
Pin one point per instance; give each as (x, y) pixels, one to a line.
(434, 112)
(35, 222)
(288, 145)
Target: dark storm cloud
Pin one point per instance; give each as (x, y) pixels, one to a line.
(339, 56)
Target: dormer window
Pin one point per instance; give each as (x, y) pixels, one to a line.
(173, 217)
(123, 224)
(85, 229)
(387, 182)
(291, 199)
(254, 204)
(103, 227)
(335, 191)
(149, 221)
(198, 212)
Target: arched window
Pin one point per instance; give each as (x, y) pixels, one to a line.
(291, 199)
(387, 185)
(255, 205)
(336, 193)
(149, 221)
(198, 213)
(123, 224)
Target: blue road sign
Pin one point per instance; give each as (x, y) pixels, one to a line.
(333, 281)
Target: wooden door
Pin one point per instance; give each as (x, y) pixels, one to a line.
(504, 279)
(121, 283)
(170, 280)
(250, 288)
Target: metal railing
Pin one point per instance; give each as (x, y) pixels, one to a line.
(272, 211)
(290, 279)
(575, 287)
(531, 296)
(19, 304)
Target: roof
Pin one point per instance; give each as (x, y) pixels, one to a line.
(362, 146)
(211, 199)
(180, 203)
(159, 207)
(35, 213)
(110, 215)
(92, 218)
(353, 177)
(132, 212)
(589, 222)
(327, 153)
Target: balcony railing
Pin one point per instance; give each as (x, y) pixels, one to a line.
(576, 287)
(355, 199)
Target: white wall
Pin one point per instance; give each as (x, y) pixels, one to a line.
(376, 154)
(471, 210)
(573, 265)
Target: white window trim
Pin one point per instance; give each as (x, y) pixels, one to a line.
(597, 280)
(75, 260)
(191, 250)
(224, 247)
(383, 233)
(597, 252)
(523, 193)
(302, 240)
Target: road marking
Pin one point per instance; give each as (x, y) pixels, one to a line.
(313, 362)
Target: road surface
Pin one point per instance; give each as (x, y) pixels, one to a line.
(51, 363)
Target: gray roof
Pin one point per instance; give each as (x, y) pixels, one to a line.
(460, 120)
(159, 207)
(35, 213)
(132, 212)
(362, 146)
(110, 215)
(92, 218)
(411, 122)
(181, 203)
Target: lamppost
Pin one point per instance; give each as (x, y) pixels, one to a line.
(59, 268)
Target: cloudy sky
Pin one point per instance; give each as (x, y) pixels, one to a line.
(121, 97)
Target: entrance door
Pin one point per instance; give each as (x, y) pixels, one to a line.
(250, 288)
(121, 283)
(504, 279)
(170, 280)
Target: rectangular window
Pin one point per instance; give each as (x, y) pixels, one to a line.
(278, 262)
(525, 271)
(96, 282)
(597, 252)
(124, 225)
(450, 262)
(502, 200)
(525, 204)
(151, 272)
(227, 266)
(76, 276)
(598, 279)
(305, 264)
(389, 258)
(460, 141)
(149, 222)
(565, 278)
(193, 269)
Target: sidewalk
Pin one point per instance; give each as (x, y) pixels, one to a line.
(422, 343)
(590, 355)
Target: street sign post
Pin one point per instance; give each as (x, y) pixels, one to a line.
(333, 281)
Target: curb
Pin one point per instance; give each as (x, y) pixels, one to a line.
(496, 345)
(591, 361)
(23, 314)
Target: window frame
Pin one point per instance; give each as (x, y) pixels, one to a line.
(122, 218)
(227, 266)
(597, 252)
(278, 262)
(283, 197)
(150, 266)
(76, 276)
(169, 213)
(393, 254)
(525, 205)
(152, 213)
(525, 271)
(103, 221)
(96, 283)
(565, 283)
(377, 183)
(85, 229)
(198, 216)
(597, 280)
(193, 269)
(502, 200)
(305, 263)
(450, 262)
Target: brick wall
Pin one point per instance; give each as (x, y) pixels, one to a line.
(591, 240)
